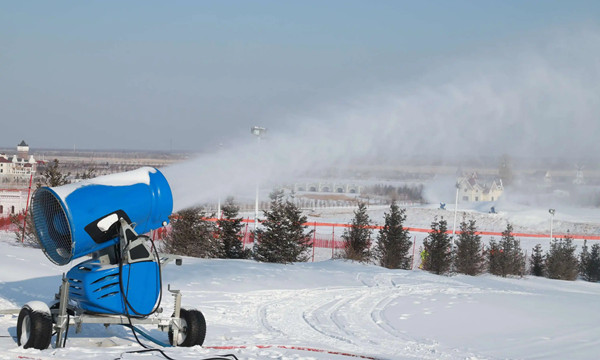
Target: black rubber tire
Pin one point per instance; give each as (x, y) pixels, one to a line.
(202, 327)
(34, 329)
(194, 329)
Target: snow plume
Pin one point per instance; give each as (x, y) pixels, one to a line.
(538, 99)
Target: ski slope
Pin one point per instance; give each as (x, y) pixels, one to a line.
(334, 306)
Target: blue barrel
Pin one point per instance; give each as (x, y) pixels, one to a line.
(77, 219)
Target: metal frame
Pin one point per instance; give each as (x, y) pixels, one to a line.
(67, 314)
(63, 319)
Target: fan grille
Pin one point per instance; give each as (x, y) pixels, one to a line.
(52, 226)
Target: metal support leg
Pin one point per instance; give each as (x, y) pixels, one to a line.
(61, 322)
(177, 295)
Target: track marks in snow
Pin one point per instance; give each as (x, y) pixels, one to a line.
(362, 318)
(348, 318)
(323, 319)
(378, 316)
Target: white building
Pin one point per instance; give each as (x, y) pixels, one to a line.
(12, 202)
(20, 164)
(471, 188)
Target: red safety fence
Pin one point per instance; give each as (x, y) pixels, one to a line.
(314, 225)
(320, 240)
(7, 225)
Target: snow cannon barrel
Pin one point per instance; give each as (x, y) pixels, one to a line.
(78, 219)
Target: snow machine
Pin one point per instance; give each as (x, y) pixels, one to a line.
(121, 283)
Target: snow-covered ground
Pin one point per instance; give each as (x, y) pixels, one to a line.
(334, 306)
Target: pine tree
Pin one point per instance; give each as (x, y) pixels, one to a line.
(506, 257)
(393, 243)
(52, 175)
(438, 257)
(494, 258)
(589, 263)
(28, 236)
(537, 261)
(230, 229)
(357, 237)
(584, 257)
(192, 235)
(515, 258)
(89, 173)
(561, 262)
(283, 238)
(469, 259)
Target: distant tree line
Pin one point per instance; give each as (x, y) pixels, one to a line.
(398, 193)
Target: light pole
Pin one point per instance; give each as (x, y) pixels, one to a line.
(258, 132)
(219, 195)
(455, 212)
(551, 211)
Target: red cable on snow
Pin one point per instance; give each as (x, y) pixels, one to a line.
(287, 347)
(301, 348)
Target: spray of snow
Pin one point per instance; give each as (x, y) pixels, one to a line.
(536, 99)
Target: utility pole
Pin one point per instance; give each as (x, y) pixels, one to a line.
(551, 211)
(455, 213)
(258, 132)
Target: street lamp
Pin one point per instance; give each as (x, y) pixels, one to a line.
(457, 185)
(219, 195)
(258, 132)
(551, 211)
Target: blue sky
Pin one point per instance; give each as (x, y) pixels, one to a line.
(191, 74)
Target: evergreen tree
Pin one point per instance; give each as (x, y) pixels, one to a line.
(393, 243)
(230, 232)
(469, 258)
(537, 261)
(561, 262)
(193, 235)
(589, 263)
(506, 256)
(438, 257)
(28, 236)
(357, 237)
(53, 176)
(584, 257)
(283, 238)
(90, 173)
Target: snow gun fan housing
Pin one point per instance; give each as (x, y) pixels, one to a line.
(78, 219)
(97, 216)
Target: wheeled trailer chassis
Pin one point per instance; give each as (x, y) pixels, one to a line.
(37, 321)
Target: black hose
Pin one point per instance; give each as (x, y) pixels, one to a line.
(127, 304)
(123, 293)
(67, 332)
